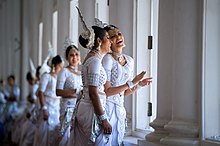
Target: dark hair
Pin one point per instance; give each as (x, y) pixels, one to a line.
(99, 33)
(11, 77)
(29, 76)
(56, 60)
(110, 27)
(38, 71)
(69, 48)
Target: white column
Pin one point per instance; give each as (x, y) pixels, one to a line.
(35, 20)
(24, 45)
(16, 39)
(3, 41)
(47, 25)
(164, 78)
(186, 74)
(8, 38)
(63, 24)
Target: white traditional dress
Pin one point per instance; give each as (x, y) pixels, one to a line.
(12, 111)
(46, 131)
(117, 75)
(28, 128)
(67, 80)
(87, 129)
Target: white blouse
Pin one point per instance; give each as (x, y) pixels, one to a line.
(48, 85)
(116, 73)
(93, 74)
(68, 80)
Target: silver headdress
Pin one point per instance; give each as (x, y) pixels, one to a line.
(33, 69)
(45, 68)
(88, 32)
(100, 23)
(67, 43)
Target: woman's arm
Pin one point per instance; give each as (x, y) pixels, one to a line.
(94, 96)
(43, 105)
(123, 88)
(66, 93)
(144, 82)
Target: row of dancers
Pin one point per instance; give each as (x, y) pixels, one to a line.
(79, 107)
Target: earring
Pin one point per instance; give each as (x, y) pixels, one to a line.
(99, 47)
(53, 68)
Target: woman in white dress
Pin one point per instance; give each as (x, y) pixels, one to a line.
(91, 125)
(69, 86)
(120, 83)
(27, 130)
(46, 134)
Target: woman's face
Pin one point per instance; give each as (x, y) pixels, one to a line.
(106, 44)
(73, 57)
(117, 39)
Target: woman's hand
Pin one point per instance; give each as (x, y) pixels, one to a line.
(45, 115)
(138, 77)
(146, 81)
(107, 128)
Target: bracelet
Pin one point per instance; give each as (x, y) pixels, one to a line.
(44, 107)
(130, 84)
(102, 117)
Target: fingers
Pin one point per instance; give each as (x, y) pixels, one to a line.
(146, 81)
(108, 131)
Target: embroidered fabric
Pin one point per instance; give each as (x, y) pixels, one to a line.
(48, 85)
(67, 80)
(92, 74)
(117, 75)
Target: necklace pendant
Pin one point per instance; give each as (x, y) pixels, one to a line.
(120, 59)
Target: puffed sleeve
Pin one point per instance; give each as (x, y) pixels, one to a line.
(61, 79)
(43, 82)
(94, 72)
(107, 63)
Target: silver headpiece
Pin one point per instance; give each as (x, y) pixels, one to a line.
(45, 68)
(67, 43)
(99, 23)
(88, 33)
(33, 69)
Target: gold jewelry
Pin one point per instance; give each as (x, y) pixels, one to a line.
(99, 47)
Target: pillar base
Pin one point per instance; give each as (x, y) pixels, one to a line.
(174, 141)
(159, 132)
(181, 134)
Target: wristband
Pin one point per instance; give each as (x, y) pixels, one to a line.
(130, 84)
(44, 107)
(102, 117)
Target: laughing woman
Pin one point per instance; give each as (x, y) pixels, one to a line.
(120, 83)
